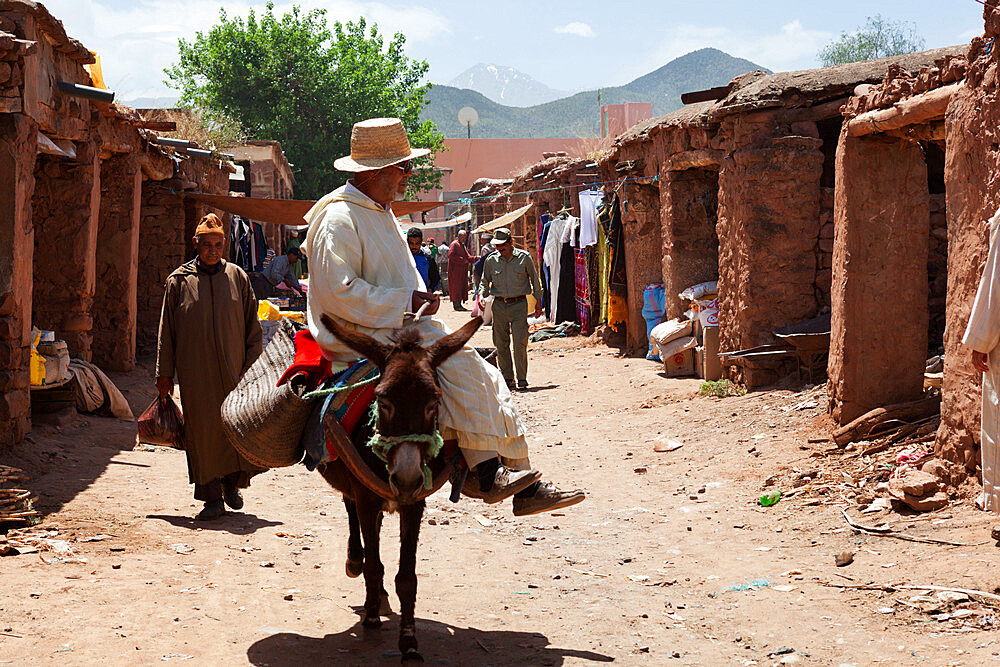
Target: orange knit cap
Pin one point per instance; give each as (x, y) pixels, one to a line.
(210, 224)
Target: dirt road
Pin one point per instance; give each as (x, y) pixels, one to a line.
(669, 561)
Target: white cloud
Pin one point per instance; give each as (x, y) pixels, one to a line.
(575, 28)
(791, 46)
(136, 41)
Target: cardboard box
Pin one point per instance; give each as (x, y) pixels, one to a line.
(699, 362)
(712, 368)
(680, 364)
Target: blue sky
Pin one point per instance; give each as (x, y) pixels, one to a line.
(567, 45)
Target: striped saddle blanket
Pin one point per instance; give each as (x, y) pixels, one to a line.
(349, 406)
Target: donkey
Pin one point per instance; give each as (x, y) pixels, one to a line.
(408, 397)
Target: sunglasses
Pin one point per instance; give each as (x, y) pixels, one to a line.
(405, 167)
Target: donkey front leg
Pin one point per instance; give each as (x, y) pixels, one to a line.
(370, 518)
(406, 579)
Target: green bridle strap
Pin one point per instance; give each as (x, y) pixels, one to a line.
(381, 444)
(336, 390)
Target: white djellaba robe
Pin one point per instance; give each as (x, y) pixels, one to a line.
(983, 335)
(362, 274)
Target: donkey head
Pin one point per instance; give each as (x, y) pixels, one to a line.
(408, 394)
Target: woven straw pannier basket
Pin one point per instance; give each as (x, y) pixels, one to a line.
(262, 420)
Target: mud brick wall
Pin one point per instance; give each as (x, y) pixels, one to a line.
(689, 202)
(65, 214)
(11, 74)
(167, 225)
(117, 264)
(937, 275)
(824, 250)
(769, 224)
(205, 173)
(878, 342)
(161, 250)
(973, 195)
(17, 166)
(643, 253)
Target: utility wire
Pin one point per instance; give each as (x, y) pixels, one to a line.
(470, 200)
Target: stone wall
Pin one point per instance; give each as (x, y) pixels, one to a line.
(824, 250)
(689, 202)
(167, 226)
(643, 253)
(937, 275)
(161, 250)
(117, 263)
(17, 166)
(973, 196)
(70, 211)
(65, 210)
(769, 225)
(879, 335)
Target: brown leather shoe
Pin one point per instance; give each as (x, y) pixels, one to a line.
(213, 510)
(232, 496)
(506, 483)
(546, 499)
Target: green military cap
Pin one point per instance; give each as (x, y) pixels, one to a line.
(501, 235)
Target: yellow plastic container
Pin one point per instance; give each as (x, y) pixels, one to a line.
(37, 364)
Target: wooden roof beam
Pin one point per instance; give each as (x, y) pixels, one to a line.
(916, 110)
(710, 95)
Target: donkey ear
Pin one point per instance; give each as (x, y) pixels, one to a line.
(363, 344)
(453, 342)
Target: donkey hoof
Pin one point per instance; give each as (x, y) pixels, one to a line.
(385, 608)
(372, 622)
(412, 657)
(354, 568)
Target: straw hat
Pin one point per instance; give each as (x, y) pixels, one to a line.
(378, 143)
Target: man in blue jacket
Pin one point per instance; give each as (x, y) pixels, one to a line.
(425, 264)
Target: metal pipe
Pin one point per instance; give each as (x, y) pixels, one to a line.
(199, 152)
(173, 143)
(78, 90)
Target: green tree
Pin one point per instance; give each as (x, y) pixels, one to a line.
(879, 38)
(293, 80)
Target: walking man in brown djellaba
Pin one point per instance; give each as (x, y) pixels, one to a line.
(209, 336)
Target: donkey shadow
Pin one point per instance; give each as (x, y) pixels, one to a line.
(441, 644)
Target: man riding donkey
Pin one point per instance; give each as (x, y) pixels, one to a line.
(363, 276)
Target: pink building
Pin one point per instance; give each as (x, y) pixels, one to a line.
(616, 118)
(469, 159)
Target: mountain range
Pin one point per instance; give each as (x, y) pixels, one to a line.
(506, 85)
(577, 115)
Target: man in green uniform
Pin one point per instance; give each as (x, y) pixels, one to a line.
(509, 276)
(209, 335)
